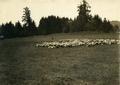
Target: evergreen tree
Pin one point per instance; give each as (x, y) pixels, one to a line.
(116, 28)
(107, 27)
(42, 26)
(26, 18)
(33, 28)
(19, 29)
(29, 24)
(96, 23)
(8, 30)
(53, 24)
(83, 15)
(65, 24)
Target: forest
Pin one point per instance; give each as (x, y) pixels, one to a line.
(55, 24)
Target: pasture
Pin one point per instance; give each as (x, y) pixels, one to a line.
(21, 63)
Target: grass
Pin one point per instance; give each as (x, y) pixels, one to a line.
(21, 63)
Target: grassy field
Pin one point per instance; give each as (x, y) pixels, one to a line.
(21, 63)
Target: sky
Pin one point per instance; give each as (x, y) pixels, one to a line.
(12, 10)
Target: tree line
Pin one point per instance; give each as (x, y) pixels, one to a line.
(55, 24)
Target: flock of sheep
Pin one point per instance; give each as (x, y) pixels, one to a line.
(77, 42)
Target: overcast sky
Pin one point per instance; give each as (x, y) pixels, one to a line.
(12, 10)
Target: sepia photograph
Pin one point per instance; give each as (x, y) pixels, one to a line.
(59, 42)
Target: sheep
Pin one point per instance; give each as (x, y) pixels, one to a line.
(77, 42)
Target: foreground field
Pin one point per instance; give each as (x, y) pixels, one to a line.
(21, 63)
